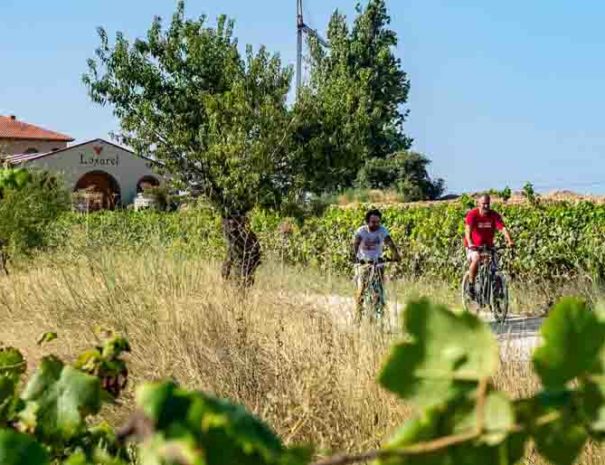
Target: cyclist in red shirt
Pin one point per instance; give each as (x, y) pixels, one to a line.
(480, 227)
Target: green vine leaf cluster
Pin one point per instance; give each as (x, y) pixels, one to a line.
(446, 367)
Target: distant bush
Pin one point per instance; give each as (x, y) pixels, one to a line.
(406, 172)
(30, 203)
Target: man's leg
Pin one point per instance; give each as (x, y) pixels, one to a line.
(361, 281)
(474, 259)
(381, 297)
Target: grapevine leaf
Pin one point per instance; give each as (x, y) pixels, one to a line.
(200, 429)
(46, 337)
(573, 339)
(421, 429)
(20, 449)
(561, 441)
(458, 418)
(12, 363)
(8, 399)
(58, 399)
(556, 424)
(446, 357)
(593, 397)
(114, 347)
(100, 458)
(499, 418)
(159, 450)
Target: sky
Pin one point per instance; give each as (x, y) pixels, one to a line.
(501, 92)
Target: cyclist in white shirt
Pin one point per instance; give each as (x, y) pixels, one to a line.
(368, 245)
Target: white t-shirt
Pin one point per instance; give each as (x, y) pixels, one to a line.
(372, 242)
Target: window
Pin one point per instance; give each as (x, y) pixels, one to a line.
(31, 150)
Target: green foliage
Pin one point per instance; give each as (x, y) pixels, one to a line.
(30, 203)
(13, 179)
(475, 424)
(573, 337)
(555, 242)
(163, 200)
(50, 420)
(214, 118)
(352, 109)
(57, 400)
(20, 449)
(405, 171)
(105, 363)
(444, 367)
(505, 194)
(206, 431)
(530, 194)
(469, 354)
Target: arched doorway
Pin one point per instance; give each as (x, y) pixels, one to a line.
(99, 190)
(146, 182)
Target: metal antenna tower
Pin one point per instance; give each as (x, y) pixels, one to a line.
(301, 29)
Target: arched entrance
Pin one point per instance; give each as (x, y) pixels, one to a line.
(147, 181)
(99, 190)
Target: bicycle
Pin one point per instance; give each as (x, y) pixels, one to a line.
(491, 288)
(373, 301)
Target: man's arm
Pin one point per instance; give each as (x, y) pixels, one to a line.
(355, 247)
(391, 245)
(467, 235)
(501, 227)
(509, 239)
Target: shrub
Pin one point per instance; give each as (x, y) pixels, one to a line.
(404, 171)
(28, 209)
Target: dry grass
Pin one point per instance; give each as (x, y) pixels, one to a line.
(277, 351)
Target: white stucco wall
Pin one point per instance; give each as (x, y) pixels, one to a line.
(75, 162)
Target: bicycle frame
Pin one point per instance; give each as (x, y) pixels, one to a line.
(488, 266)
(491, 289)
(373, 298)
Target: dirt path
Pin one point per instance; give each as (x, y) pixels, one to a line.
(518, 336)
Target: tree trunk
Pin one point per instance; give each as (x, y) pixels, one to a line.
(243, 251)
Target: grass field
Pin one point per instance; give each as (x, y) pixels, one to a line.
(275, 350)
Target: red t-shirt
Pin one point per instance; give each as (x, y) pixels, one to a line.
(483, 227)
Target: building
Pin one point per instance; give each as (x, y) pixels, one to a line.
(20, 137)
(106, 174)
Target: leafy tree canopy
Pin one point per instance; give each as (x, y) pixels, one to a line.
(215, 118)
(353, 107)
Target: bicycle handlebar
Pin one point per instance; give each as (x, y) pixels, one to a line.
(486, 248)
(376, 262)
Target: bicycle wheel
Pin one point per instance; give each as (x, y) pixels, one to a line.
(378, 302)
(467, 302)
(499, 298)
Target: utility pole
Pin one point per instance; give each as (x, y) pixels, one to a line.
(301, 29)
(300, 25)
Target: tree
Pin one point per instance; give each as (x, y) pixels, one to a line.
(353, 107)
(215, 119)
(406, 172)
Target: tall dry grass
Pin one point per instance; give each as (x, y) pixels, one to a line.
(281, 351)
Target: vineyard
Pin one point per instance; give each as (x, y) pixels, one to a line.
(461, 416)
(555, 242)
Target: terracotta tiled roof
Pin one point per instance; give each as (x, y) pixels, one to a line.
(11, 128)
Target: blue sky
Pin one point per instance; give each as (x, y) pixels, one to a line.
(502, 92)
